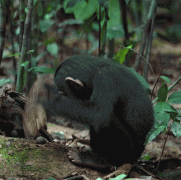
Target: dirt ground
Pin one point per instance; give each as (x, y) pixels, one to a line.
(25, 159)
(22, 159)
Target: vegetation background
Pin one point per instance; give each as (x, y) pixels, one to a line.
(36, 35)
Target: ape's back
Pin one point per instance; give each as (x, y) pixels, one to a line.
(118, 112)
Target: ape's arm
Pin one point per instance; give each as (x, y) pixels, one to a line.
(96, 112)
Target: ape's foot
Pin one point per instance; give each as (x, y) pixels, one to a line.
(87, 158)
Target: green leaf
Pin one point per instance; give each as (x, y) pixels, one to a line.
(35, 1)
(4, 81)
(42, 69)
(114, 14)
(115, 32)
(31, 51)
(161, 118)
(70, 22)
(163, 106)
(25, 64)
(49, 41)
(84, 10)
(176, 129)
(68, 5)
(121, 176)
(162, 112)
(165, 78)
(147, 157)
(46, 24)
(53, 49)
(175, 98)
(179, 115)
(154, 133)
(175, 116)
(121, 54)
(163, 93)
(11, 55)
(50, 178)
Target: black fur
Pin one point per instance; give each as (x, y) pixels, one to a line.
(117, 110)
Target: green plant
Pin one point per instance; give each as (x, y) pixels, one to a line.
(107, 13)
(165, 111)
(121, 176)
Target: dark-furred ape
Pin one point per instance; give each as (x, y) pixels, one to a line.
(112, 103)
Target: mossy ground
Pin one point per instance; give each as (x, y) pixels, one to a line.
(23, 158)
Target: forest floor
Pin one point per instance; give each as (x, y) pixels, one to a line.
(23, 159)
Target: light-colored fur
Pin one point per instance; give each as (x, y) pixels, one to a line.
(35, 116)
